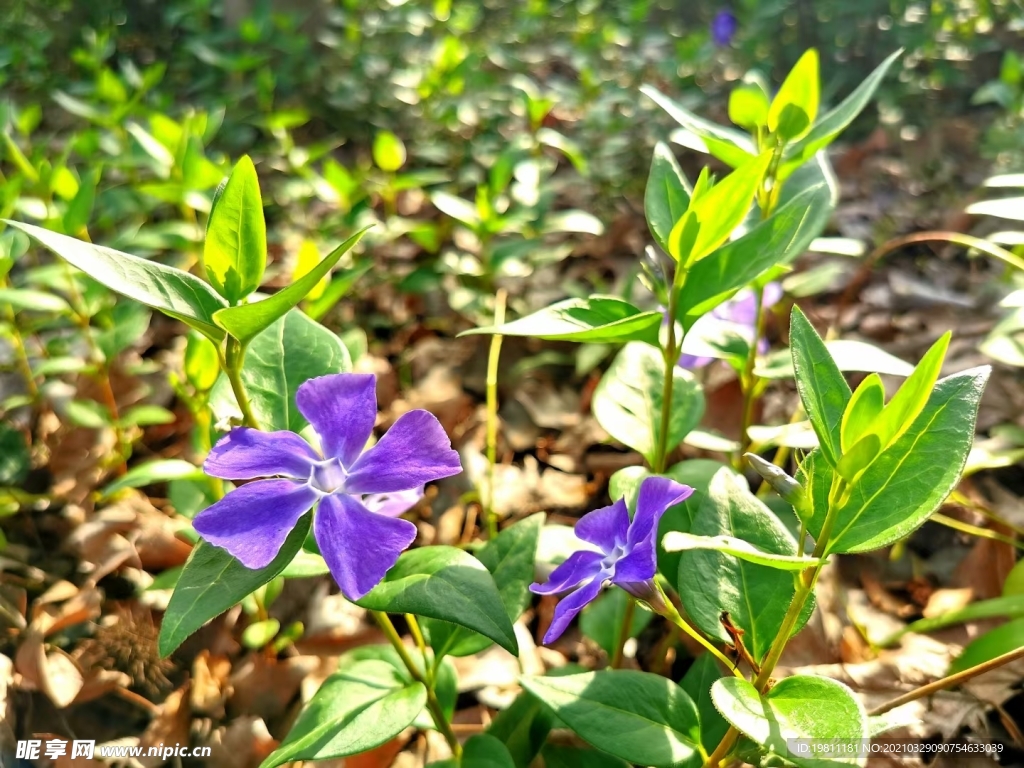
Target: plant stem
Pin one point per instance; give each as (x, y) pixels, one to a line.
(433, 705)
(949, 681)
(624, 632)
(670, 354)
(231, 362)
(492, 413)
(21, 357)
(669, 612)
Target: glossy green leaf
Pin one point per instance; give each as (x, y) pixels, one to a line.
(727, 144)
(523, 727)
(995, 642)
(598, 319)
(825, 131)
(35, 301)
(459, 209)
(737, 573)
(677, 541)
(697, 683)
(798, 707)
(388, 151)
(795, 106)
(1004, 607)
(213, 581)
(910, 399)
(864, 406)
(601, 621)
(485, 751)
(448, 584)
(510, 559)
(776, 241)
(748, 106)
(558, 756)
(235, 252)
(79, 209)
(628, 400)
(259, 633)
(356, 709)
(173, 292)
(159, 471)
(247, 320)
(850, 355)
(823, 390)
(292, 350)
(201, 365)
(641, 717)
(667, 195)
(909, 479)
(858, 458)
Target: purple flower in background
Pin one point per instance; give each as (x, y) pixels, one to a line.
(724, 27)
(739, 314)
(627, 553)
(360, 492)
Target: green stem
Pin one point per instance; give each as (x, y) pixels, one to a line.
(669, 612)
(624, 632)
(490, 520)
(231, 362)
(670, 355)
(21, 357)
(433, 705)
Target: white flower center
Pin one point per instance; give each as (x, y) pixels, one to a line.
(327, 476)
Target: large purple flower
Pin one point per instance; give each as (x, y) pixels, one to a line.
(626, 552)
(360, 492)
(738, 315)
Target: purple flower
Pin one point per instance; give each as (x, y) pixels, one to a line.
(724, 27)
(626, 552)
(359, 492)
(738, 315)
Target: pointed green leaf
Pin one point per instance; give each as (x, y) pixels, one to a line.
(598, 319)
(823, 390)
(667, 196)
(858, 458)
(799, 707)
(628, 401)
(247, 320)
(558, 756)
(677, 541)
(697, 683)
(727, 144)
(235, 252)
(638, 716)
(159, 471)
(523, 728)
(213, 581)
(1007, 606)
(172, 291)
(795, 106)
(448, 584)
(35, 301)
(909, 479)
(356, 709)
(849, 354)
(748, 107)
(601, 621)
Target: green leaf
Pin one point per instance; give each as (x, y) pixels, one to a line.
(510, 559)
(213, 581)
(741, 577)
(235, 252)
(1008, 606)
(523, 727)
(459, 209)
(292, 350)
(448, 584)
(909, 479)
(865, 405)
(727, 144)
(79, 209)
(748, 107)
(484, 751)
(823, 390)
(850, 356)
(598, 319)
(356, 709)
(858, 458)
(677, 541)
(340, 285)
(776, 241)
(910, 399)
(36, 301)
(557, 756)
(201, 365)
(628, 401)
(159, 471)
(697, 683)
(246, 321)
(795, 106)
(601, 621)
(724, 207)
(259, 633)
(388, 151)
(799, 707)
(641, 717)
(667, 195)
(179, 294)
(995, 642)
(825, 131)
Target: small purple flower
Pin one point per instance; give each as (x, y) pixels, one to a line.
(724, 27)
(740, 316)
(626, 556)
(359, 492)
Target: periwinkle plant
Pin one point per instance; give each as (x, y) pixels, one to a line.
(699, 547)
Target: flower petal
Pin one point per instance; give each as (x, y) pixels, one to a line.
(656, 495)
(639, 564)
(568, 607)
(772, 294)
(342, 408)
(414, 451)
(578, 567)
(253, 521)
(605, 527)
(359, 546)
(245, 453)
(392, 504)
